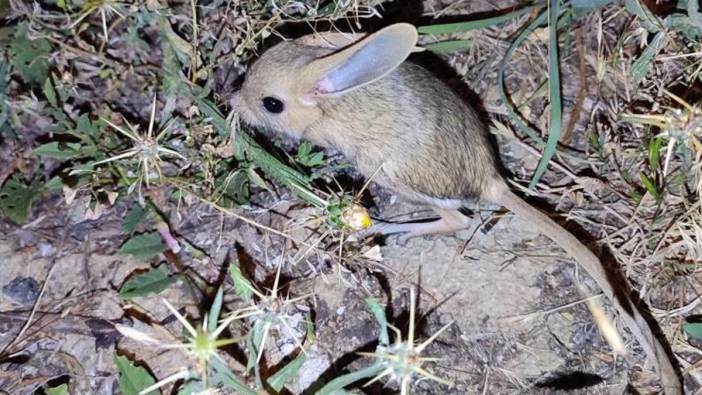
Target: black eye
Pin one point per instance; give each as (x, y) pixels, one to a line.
(273, 105)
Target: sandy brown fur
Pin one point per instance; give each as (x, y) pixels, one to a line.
(417, 151)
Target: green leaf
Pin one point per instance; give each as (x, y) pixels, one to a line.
(55, 184)
(650, 186)
(133, 379)
(693, 329)
(379, 314)
(254, 342)
(30, 57)
(643, 64)
(86, 128)
(583, 6)
(683, 24)
(554, 83)
(133, 218)
(654, 153)
(215, 310)
(5, 127)
(511, 112)
(449, 46)
(16, 200)
(192, 388)
(679, 180)
(56, 150)
(175, 42)
(218, 121)
(237, 187)
(304, 149)
(242, 286)
(457, 27)
(306, 157)
(635, 197)
(315, 159)
(152, 281)
(257, 180)
(50, 93)
(332, 7)
(646, 18)
(229, 379)
(248, 150)
(145, 246)
(285, 374)
(693, 8)
(58, 390)
(4, 7)
(335, 386)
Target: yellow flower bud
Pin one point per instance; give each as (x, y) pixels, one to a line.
(356, 217)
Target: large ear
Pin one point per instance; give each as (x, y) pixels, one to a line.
(360, 63)
(333, 40)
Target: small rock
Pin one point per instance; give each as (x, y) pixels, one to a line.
(22, 290)
(46, 249)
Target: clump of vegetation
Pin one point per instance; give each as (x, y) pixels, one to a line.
(401, 361)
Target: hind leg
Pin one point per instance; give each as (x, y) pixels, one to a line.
(449, 222)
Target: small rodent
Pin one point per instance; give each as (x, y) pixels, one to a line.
(397, 121)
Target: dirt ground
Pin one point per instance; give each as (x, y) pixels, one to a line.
(514, 304)
(507, 292)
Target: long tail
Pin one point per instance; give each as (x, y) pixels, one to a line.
(591, 263)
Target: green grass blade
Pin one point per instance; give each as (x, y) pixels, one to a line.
(379, 314)
(554, 133)
(646, 18)
(582, 6)
(693, 329)
(644, 62)
(445, 28)
(132, 378)
(247, 149)
(242, 286)
(449, 46)
(342, 381)
(684, 24)
(215, 309)
(144, 246)
(511, 112)
(286, 374)
(229, 379)
(693, 8)
(150, 282)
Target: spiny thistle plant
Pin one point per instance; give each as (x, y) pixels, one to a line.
(679, 125)
(347, 215)
(147, 150)
(201, 344)
(402, 361)
(682, 128)
(103, 7)
(343, 211)
(268, 314)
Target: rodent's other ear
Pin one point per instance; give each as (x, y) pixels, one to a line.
(360, 63)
